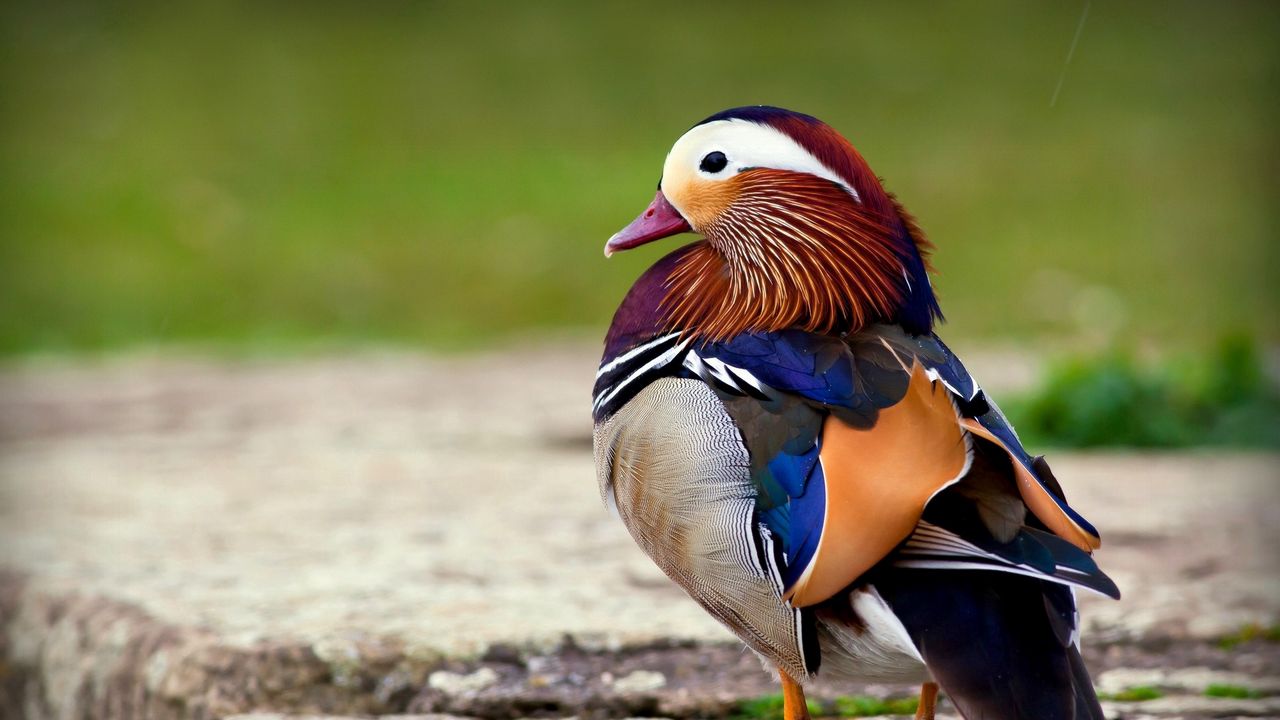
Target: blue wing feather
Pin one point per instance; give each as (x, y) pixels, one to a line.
(817, 368)
(798, 524)
(786, 360)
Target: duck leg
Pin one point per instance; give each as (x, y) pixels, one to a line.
(928, 699)
(794, 706)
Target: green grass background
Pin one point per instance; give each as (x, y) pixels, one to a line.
(272, 174)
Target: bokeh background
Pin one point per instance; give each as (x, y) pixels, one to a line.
(271, 176)
(300, 304)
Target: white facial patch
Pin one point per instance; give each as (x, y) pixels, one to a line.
(745, 144)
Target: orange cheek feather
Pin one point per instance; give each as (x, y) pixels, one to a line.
(702, 201)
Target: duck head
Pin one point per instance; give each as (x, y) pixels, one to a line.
(797, 232)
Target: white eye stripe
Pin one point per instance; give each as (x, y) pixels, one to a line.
(746, 145)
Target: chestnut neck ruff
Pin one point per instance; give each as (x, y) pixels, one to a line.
(791, 251)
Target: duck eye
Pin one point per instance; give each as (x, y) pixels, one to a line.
(713, 162)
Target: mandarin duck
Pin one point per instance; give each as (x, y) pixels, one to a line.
(785, 436)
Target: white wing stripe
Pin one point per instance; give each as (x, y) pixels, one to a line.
(730, 376)
(1014, 569)
(933, 547)
(662, 359)
(632, 353)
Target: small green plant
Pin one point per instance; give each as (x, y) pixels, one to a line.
(1221, 399)
(1224, 690)
(1247, 633)
(768, 707)
(867, 706)
(1137, 693)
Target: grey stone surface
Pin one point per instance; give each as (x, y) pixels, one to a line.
(452, 683)
(201, 538)
(1194, 706)
(282, 716)
(1192, 680)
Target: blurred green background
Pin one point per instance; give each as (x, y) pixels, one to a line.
(275, 175)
